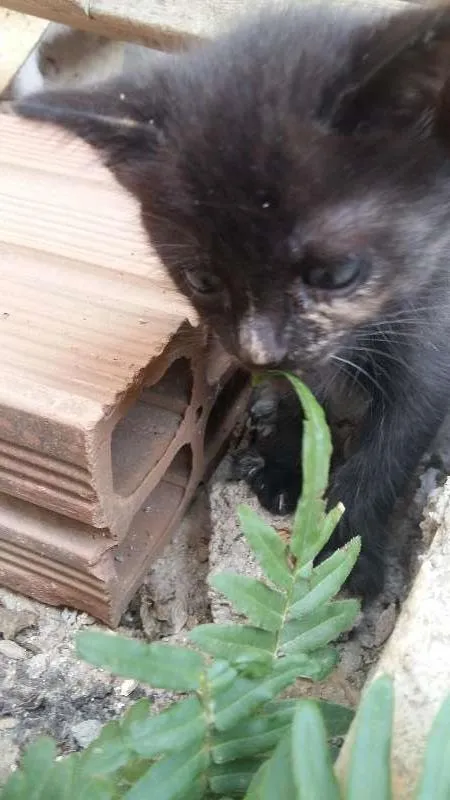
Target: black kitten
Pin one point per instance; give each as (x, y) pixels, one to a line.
(294, 177)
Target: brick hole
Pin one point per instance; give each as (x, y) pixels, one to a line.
(159, 508)
(180, 469)
(219, 413)
(143, 435)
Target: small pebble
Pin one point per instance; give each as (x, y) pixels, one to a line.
(12, 650)
(385, 625)
(85, 619)
(203, 553)
(179, 616)
(38, 664)
(127, 687)
(7, 723)
(351, 658)
(13, 621)
(69, 616)
(85, 732)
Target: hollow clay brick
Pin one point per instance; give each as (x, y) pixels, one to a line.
(113, 401)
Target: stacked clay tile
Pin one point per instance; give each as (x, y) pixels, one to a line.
(113, 401)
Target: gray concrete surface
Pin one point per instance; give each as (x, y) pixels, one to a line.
(418, 653)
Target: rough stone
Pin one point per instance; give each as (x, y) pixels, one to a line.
(385, 624)
(12, 622)
(128, 687)
(418, 653)
(12, 650)
(38, 664)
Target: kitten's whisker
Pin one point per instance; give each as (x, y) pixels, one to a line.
(385, 336)
(395, 339)
(360, 369)
(351, 377)
(383, 354)
(398, 322)
(368, 352)
(415, 310)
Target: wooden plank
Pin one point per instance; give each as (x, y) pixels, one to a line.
(166, 24)
(19, 34)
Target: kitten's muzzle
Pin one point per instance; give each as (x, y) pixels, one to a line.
(259, 344)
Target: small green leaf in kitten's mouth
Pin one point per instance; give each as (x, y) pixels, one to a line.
(257, 378)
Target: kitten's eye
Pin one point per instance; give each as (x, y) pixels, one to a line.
(334, 276)
(202, 281)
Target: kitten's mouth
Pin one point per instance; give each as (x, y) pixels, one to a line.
(258, 370)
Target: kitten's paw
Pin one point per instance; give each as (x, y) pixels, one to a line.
(276, 487)
(366, 579)
(271, 466)
(245, 464)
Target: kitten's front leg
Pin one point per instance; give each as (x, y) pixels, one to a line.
(272, 464)
(369, 483)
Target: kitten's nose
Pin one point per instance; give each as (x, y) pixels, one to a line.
(259, 343)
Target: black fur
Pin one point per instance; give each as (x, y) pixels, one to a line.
(294, 177)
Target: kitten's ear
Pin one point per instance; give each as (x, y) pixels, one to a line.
(397, 75)
(124, 122)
